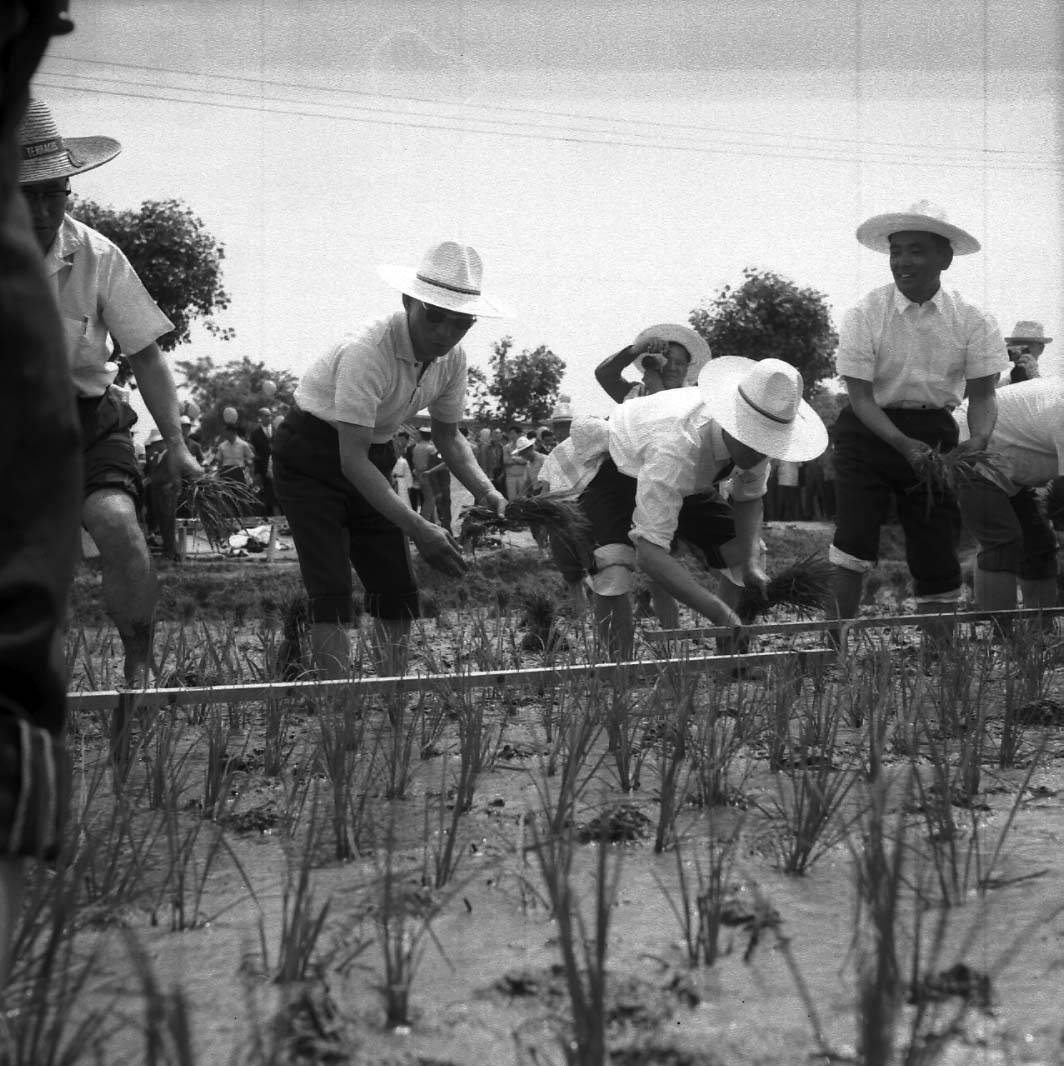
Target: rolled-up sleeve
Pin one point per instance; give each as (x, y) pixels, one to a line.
(449, 404)
(666, 477)
(855, 357)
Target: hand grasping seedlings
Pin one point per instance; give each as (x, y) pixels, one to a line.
(939, 473)
(804, 586)
(558, 512)
(218, 503)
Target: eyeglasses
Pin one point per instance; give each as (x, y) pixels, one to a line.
(49, 196)
(435, 315)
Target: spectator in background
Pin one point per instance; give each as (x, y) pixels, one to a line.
(1025, 345)
(489, 455)
(515, 464)
(402, 475)
(191, 442)
(438, 479)
(788, 496)
(667, 355)
(424, 456)
(235, 457)
(261, 441)
(561, 419)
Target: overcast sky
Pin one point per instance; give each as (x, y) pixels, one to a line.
(615, 163)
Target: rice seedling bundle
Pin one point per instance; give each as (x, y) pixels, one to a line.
(804, 586)
(941, 473)
(218, 503)
(559, 513)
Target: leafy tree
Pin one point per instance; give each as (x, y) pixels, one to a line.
(768, 316)
(179, 262)
(523, 387)
(238, 383)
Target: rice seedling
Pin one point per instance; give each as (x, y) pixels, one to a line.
(218, 504)
(277, 744)
(716, 740)
(672, 760)
(218, 764)
(623, 721)
(941, 472)
(50, 976)
(403, 911)
(167, 1023)
(583, 944)
(700, 906)
(165, 761)
(558, 513)
(803, 587)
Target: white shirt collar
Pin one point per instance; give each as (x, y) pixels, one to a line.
(66, 244)
(902, 303)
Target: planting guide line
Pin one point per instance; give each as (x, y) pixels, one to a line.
(157, 698)
(658, 636)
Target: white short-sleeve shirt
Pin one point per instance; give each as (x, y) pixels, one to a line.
(99, 296)
(673, 449)
(1029, 432)
(918, 355)
(372, 378)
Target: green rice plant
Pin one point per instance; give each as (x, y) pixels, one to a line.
(349, 764)
(716, 741)
(673, 762)
(217, 771)
(403, 911)
(700, 906)
(167, 1023)
(166, 761)
(50, 975)
(574, 754)
(803, 587)
(880, 856)
(1028, 674)
(582, 942)
(277, 746)
(396, 741)
(624, 722)
(782, 692)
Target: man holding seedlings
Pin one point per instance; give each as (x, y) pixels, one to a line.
(103, 304)
(333, 454)
(661, 461)
(908, 352)
(999, 505)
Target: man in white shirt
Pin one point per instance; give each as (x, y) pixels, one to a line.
(1016, 538)
(663, 458)
(333, 455)
(908, 352)
(101, 299)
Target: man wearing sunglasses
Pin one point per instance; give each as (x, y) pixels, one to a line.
(333, 454)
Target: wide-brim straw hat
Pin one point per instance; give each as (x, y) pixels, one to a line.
(450, 277)
(1028, 333)
(523, 445)
(759, 402)
(695, 343)
(922, 217)
(43, 155)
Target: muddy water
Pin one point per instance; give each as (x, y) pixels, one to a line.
(485, 975)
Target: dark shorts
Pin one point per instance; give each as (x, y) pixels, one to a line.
(869, 473)
(1014, 533)
(705, 521)
(107, 445)
(335, 529)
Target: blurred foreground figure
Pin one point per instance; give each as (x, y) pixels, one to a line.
(40, 485)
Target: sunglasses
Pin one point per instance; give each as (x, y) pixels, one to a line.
(435, 315)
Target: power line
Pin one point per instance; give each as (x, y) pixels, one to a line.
(703, 130)
(447, 122)
(376, 115)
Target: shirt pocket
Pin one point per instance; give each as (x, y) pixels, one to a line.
(87, 356)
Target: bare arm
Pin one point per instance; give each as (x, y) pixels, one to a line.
(455, 451)
(676, 580)
(747, 515)
(608, 373)
(436, 546)
(872, 415)
(156, 383)
(982, 411)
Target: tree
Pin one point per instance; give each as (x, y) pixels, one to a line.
(239, 383)
(176, 258)
(768, 316)
(523, 387)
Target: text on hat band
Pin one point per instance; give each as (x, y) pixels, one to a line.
(39, 148)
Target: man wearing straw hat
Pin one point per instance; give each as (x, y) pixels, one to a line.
(668, 356)
(909, 352)
(661, 461)
(101, 300)
(333, 455)
(1026, 344)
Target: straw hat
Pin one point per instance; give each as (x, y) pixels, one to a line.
(563, 410)
(43, 155)
(922, 217)
(759, 402)
(449, 277)
(685, 337)
(523, 445)
(1028, 333)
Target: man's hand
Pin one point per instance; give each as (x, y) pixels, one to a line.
(754, 577)
(496, 501)
(439, 549)
(916, 453)
(180, 464)
(973, 444)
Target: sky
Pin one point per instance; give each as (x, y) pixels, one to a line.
(615, 164)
